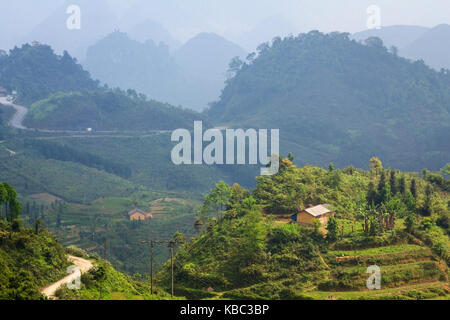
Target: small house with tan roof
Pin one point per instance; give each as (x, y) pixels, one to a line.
(306, 217)
(137, 214)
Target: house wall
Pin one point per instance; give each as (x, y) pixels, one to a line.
(306, 219)
(137, 216)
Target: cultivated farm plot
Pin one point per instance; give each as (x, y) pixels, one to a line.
(408, 271)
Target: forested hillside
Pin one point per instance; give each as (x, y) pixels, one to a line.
(36, 71)
(29, 258)
(107, 110)
(250, 250)
(336, 100)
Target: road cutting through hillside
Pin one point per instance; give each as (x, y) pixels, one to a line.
(21, 112)
(83, 267)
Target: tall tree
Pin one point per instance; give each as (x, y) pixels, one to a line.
(393, 182)
(13, 207)
(381, 188)
(332, 228)
(413, 188)
(375, 164)
(371, 196)
(331, 167)
(3, 199)
(426, 209)
(402, 185)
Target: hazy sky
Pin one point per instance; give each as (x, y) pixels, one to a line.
(232, 18)
(235, 16)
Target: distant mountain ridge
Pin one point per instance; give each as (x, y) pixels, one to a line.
(415, 42)
(433, 47)
(206, 59)
(399, 36)
(151, 30)
(191, 76)
(146, 67)
(96, 20)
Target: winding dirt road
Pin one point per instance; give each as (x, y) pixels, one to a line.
(18, 117)
(83, 267)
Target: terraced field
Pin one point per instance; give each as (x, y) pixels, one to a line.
(408, 271)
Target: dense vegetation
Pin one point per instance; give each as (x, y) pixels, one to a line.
(85, 183)
(248, 249)
(35, 72)
(62, 95)
(111, 110)
(65, 153)
(29, 257)
(337, 100)
(82, 179)
(67, 180)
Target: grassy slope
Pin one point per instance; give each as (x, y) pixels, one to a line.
(67, 180)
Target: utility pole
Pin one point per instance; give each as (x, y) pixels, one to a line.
(152, 244)
(171, 247)
(171, 244)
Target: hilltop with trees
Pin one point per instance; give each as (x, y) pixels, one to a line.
(35, 72)
(61, 95)
(337, 100)
(396, 220)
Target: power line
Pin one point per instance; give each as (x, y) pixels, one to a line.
(171, 247)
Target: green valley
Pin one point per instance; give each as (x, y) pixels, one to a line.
(89, 157)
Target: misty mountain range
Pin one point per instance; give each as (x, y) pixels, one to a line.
(417, 43)
(191, 76)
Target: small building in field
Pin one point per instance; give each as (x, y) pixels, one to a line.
(306, 217)
(136, 214)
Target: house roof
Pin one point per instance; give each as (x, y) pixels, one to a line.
(319, 210)
(136, 211)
